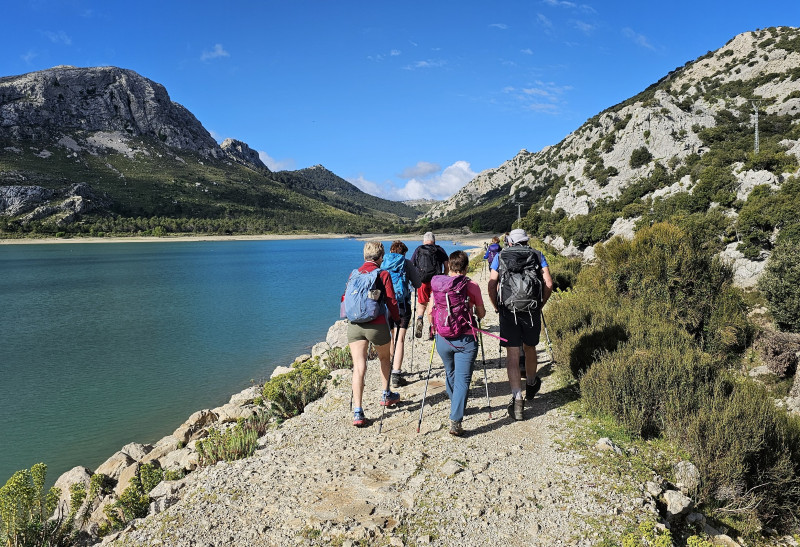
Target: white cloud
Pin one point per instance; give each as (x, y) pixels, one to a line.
(286, 164)
(584, 27)
(541, 97)
(421, 169)
(425, 184)
(430, 63)
(395, 52)
(527, 51)
(501, 26)
(636, 38)
(544, 21)
(29, 56)
(59, 37)
(215, 53)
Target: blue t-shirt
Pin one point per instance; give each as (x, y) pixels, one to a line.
(496, 262)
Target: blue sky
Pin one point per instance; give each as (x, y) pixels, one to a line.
(404, 99)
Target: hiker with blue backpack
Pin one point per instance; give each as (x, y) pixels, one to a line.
(368, 296)
(492, 250)
(519, 285)
(457, 305)
(404, 275)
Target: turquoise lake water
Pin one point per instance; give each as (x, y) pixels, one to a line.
(106, 344)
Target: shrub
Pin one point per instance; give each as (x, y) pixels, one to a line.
(639, 157)
(339, 358)
(290, 393)
(25, 510)
(236, 443)
(780, 284)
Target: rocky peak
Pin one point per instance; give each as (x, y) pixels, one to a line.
(65, 100)
(240, 152)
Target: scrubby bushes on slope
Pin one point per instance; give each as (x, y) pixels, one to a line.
(651, 332)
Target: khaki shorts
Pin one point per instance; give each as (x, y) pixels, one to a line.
(377, 334)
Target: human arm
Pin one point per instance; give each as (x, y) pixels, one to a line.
(388, 292)
(494, 277)
(547, 290)
(476, 300)
(413, 274)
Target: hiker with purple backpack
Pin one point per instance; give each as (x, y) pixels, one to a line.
(457, 303)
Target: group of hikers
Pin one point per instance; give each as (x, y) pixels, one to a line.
(377, 303)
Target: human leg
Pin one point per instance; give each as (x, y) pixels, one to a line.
(358, 350)
(464, 361)
(445, 351)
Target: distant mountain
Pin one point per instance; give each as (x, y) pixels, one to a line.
(104, 149)
(681, 150)
(319, 183)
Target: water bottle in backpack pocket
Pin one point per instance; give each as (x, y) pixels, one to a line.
(362, 297)
(451, 316)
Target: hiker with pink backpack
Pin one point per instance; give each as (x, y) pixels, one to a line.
(457, 302)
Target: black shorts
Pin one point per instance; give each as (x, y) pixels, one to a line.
(405, 316)
(520, 328)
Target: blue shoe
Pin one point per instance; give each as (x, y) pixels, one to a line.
(359, 420)
(389, 398)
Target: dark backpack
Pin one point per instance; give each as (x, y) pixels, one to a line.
(451, 311)
(493, 249)
(395, 264)
(520, 287)
(426, 262)
(362, 297)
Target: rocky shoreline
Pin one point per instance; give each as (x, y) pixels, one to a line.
(316, 480)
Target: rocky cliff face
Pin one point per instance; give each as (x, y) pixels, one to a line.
(240, 152)
(596, 163)
(65, 100)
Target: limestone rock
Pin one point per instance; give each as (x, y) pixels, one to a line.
(319, 349)
(688, 475)
(75, 475)
(678, 504)
(607, 445)
(161, 449)
(137, 451)
(114, 465)
(246, 396)
(280, 370)
(125, 478)
(231, 413)
(183, 459)
(337, 334)
(240, 152)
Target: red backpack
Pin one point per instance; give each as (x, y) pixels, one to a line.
(451, 310)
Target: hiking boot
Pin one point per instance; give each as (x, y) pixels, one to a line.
(515, 408)
(418, 328)
(398, 380)
(389, 398)
(359, 420)
(532, 390)
(455, 428)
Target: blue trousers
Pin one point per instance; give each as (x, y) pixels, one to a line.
(458, 356)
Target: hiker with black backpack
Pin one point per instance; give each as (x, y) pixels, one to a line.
(404, 275)
(457, 302)
(368, 295)
(519, 285)
(430, 259)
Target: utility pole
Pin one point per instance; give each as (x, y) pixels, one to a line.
(756, 104)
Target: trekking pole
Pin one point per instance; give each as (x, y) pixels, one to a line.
(547, 335)
(425, 393)
(411, 330)
(394, 348)
(485, 378)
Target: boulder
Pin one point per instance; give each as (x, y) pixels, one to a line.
(161, 449)
(678, 504)
(193, 427)
(231, 413)
(279, 370)
(607, 445)
(137, 451)
(180, 460)
(337, 334)
(246, 397)
(302, 358)
(687, 475)
(65, 481)
(125, 478)
(98, 516)
(319, 349)
(114, 465)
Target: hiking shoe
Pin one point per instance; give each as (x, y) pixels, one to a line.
(398, 380)
(515, 408)
(418, 328)
(532, 390)
(455, 428)
(389, 398)
(359, 420)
